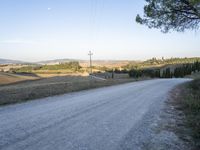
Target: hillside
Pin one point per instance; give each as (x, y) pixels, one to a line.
(9, 61)
(155, 62)
(85, 63)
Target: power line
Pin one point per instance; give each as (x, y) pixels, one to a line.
(90, 54)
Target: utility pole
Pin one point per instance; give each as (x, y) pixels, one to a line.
(90, 54)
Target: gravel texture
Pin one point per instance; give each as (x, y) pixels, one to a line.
(110, 118)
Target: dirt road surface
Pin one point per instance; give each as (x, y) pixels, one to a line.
(109, 118)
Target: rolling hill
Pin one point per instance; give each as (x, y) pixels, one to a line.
(9, 61)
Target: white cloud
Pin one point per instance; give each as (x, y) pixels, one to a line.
(49, 8)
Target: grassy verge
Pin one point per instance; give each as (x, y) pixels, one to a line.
(45, 87)
(189, 103)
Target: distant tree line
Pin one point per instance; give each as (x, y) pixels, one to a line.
(177, 72)
(157, 62)
(119, 71)
(73, 66)
(68, 65)
(136, 73)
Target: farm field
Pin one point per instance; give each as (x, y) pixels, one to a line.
(8, 78)
(28, 88)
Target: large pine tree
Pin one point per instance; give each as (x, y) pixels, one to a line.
(171, 14)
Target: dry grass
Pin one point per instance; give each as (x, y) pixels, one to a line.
(48, 75)
(8, 78)
(7, 67)
(109, 64)
(194, 75)
(45, 87)
(187, 99)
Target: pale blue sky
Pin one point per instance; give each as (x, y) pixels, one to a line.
(33, 30)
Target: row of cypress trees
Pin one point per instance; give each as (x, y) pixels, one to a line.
(181, 71)
(177, 72)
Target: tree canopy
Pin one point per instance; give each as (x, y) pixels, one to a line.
(167, 15)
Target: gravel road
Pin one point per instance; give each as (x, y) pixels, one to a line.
(110, 118)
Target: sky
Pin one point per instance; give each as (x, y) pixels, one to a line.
(35, 30)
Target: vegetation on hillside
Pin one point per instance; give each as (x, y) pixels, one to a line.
(69, 66)
(155, 62)
(74, 66)
(173, 67)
